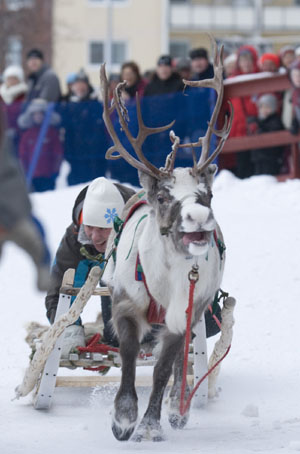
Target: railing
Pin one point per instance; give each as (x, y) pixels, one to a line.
(255, 85)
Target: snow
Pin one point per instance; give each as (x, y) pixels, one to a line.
(258, 405)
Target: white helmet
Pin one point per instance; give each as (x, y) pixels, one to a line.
(102, 203)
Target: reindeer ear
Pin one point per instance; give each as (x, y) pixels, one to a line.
(211, 172)
(148, 182)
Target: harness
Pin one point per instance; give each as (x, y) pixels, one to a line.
(156, 313)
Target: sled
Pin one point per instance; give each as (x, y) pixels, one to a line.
(41, 375)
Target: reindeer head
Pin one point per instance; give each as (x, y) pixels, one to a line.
(180, 197)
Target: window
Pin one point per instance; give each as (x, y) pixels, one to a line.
(15, 5)
(13, 54)
(179, 49)
(119, 51)
(96, 52)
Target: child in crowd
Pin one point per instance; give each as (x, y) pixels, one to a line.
(51, 153)
(268, 161)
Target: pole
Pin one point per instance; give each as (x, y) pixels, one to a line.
(109, 36)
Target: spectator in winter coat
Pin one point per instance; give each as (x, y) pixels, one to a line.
(43, 83)
(83, 246)
(294, 75)
(12, 95)
(269, 62)
(245, 110)
(287, 57)
(164, 80)
(135, 83)
(86, 141)
(201, 66)
(51, 154)
(16, 222)
(268, 161)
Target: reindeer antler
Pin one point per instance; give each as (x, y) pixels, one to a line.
(142, 162)
(217, 83)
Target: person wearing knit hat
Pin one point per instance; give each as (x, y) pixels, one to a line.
(103, 203)
(83, 246)
(42, 81)
(269, 62)
(200, 64)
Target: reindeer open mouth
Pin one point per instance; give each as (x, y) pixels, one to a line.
(197, 238)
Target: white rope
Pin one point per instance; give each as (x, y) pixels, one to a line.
(222, 344)
(38, 362)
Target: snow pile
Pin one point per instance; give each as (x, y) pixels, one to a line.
(258, 408)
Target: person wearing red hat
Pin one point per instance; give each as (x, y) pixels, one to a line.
(269, 62)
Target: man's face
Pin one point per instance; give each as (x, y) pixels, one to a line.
(98, 235)
(164, 71)
(34, 64)
(199, 65)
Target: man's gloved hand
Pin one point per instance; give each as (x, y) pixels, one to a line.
(74, 337)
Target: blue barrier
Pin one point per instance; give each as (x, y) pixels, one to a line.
(86, 139)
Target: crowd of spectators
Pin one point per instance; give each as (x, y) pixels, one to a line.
(47, 127)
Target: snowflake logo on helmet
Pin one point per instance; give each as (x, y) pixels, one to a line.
(110, 215)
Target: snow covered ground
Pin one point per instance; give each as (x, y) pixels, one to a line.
(258, 408)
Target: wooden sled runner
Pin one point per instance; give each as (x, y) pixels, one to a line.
(41, 374)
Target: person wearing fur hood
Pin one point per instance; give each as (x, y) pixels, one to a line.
(12, 95)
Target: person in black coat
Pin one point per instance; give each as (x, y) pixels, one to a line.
(268, 161)
(164, 80)
(201, 67)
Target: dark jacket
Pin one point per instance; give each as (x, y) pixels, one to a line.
(85, 134)
(161, 87)
(68, 254)
(43, 84)
(207, 74)
(271, 157)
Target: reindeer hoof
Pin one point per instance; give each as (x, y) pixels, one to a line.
(177, 421)
(121, 434)
(125, 416)
(148, 432)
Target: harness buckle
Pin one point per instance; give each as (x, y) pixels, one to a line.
(193, 274)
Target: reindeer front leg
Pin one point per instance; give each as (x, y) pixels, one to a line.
(150, 427)
(176, 420)
(125, 406)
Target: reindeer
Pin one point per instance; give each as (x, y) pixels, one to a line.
(169, 234)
